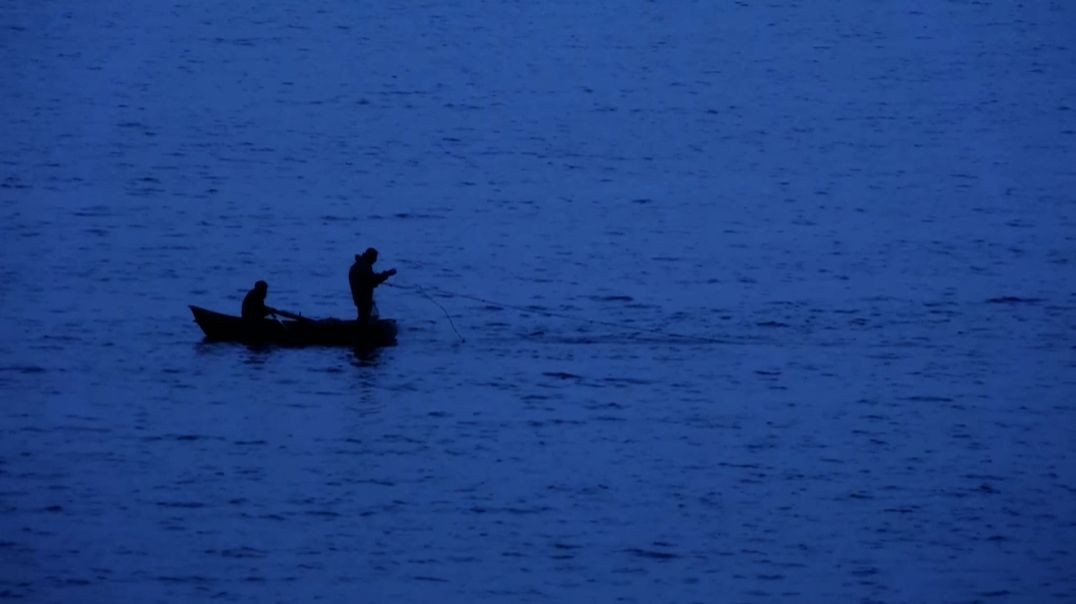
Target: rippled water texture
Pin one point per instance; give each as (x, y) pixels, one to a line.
(754, 303)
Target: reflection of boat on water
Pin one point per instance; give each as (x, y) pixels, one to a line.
(219, 327)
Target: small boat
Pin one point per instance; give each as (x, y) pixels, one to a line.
(219, 327)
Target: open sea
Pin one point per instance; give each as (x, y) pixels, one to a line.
(699, 301)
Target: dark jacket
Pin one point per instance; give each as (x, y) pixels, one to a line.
(363, 280)
(254, 305)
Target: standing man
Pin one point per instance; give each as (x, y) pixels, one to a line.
(363, 280)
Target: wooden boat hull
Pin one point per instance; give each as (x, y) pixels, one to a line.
(220, 327)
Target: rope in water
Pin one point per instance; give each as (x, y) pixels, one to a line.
(549, 313)
(428, 297)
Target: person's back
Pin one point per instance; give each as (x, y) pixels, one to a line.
(254, 307)
(361, 279)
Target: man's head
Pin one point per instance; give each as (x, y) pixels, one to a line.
(261, 287)
(370, 255)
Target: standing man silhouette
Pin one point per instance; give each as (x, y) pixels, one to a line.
(363, 279)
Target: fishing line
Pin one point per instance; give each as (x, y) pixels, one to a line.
(550, 313)
(427, 296)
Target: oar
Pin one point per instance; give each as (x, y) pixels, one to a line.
(289, 315)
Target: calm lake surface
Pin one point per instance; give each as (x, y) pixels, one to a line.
(748, 303)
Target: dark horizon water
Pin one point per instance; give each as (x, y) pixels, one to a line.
(861, 217)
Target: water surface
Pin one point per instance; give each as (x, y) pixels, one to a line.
(748, 303)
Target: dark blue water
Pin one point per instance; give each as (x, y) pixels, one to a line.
(747, 303)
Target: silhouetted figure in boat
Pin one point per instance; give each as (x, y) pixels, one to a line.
(363, 280)
(254, 307)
